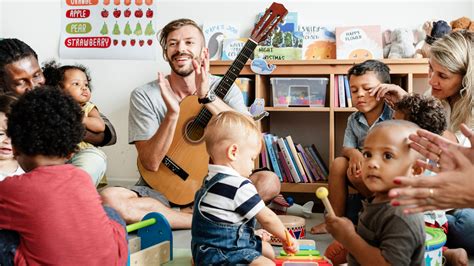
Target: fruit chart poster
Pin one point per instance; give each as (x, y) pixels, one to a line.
(108, 29)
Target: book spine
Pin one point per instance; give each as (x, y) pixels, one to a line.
(268, 138)
(286, 169)
(342, 97)
(291, 144)
(336, 91)
(320, 161)
(309, 163)
(306, 169)
(288, 160)
(314, 162)
(347, 87)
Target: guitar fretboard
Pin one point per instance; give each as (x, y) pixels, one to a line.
(226, 82)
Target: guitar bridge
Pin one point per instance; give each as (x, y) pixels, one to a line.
(175, 168)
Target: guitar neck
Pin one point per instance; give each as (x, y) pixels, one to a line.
(234, 70)
(228, 79)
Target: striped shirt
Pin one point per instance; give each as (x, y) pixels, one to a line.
(233, 200)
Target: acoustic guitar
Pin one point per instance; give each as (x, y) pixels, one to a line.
(184, 167)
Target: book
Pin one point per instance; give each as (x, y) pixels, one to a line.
(359, 42)
(286, 170)
(291, 145)
(264, 159)
(318, 42)
(347, 87)
(341, 91)
(289, 160)
(275, 53)
(231, 48)
(336, 91)
(320, 161)
(305, 167)
(215, 34)
(272, 154)
(311, 165)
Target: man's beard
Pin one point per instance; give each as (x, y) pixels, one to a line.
(183, 71)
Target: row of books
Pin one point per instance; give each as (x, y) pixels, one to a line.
(292, 162)
(292, 40)
(342, 95)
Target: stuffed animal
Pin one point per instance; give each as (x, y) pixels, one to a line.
(433, 31)
(463, 23)
(400, 43)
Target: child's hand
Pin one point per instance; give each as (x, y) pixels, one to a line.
(390, 93)
(340, 228)
(292, 247)
(263, 234)
(355, 166)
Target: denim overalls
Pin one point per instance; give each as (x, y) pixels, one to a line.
(221, 243)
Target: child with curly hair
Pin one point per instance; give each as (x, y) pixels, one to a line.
(76, 81)
(52, 214)
(8, 165)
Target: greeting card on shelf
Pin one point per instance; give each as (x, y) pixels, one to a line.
(359, 42)
(318, 42)
(215, 35)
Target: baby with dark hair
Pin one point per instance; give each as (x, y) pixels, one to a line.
(425, 111)
(53, 214)
(75, 80)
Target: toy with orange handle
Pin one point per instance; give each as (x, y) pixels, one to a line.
(322, 194)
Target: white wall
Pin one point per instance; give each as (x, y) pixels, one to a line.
(38, 24)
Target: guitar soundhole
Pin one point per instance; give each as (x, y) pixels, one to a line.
(194, 131)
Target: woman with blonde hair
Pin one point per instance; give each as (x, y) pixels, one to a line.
(451, 77)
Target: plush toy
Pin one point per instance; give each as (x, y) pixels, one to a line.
(433, 31)
(463, 23)
(400, 43)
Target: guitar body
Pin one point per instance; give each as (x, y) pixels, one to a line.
(184, 167)
(187, 151)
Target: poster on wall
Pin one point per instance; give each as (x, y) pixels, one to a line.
(108, 29)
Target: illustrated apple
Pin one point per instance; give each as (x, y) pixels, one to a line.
(138, 13)
(141, 42)
(150, 41)
(117, 13)
(127, 13)
(124, 42)
(149, 13)
(115, 42)
(132, 42)
(104, 13)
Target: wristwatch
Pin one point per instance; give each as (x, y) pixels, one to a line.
(209, 98)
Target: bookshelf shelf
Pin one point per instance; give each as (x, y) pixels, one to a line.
(302, 187)
(322, 126)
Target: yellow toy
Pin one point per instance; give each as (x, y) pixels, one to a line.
(322, 194)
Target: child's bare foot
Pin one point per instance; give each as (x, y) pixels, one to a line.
(455, 257)
(319, 229)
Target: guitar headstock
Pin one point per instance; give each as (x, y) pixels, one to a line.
(273, 15)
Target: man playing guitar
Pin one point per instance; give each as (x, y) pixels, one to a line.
(153, 119)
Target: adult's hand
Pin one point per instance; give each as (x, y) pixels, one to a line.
(432, 146)
(451, 188)
(168, 95)
(201, 70)
(390, 93)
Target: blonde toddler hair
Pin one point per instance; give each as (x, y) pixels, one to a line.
(229, 126)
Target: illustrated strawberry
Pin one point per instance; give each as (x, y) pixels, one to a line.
(138, 13)
(132, 42)
(104, 13)
(117, 13)
(141, 42)
(150, 41)
(124, 42)
(115, 42)
(149, 13)
(127, 13)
